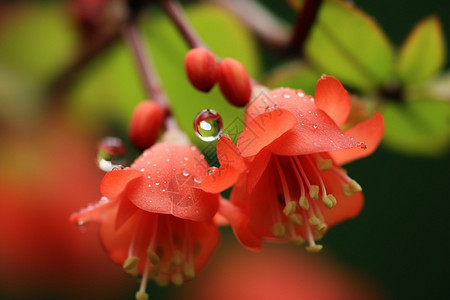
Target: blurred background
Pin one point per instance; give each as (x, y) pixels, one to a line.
(67, 80)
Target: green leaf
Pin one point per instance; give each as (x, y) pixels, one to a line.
(418, 127)
(296, 75)
(347, 43)
(423, 53)
(36, 40)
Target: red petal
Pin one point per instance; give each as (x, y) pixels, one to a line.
(125, 211)
(94, 212)
(263, 130)
(370, 132)
(257, 168)
(331, 97)
(171, 183)
(206, 234)
(231, 166)
(115, 182)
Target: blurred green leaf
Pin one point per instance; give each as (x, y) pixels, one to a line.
(112, 87)
(418, 128)
(423, 53)
(36, 40)
(347, 43)
(296, 75)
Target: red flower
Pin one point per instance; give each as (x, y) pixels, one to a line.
(155, 218)
(293, 188)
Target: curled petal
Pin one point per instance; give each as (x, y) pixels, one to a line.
(331, 97)
(369, 132)
(264, 129)
(115, 182)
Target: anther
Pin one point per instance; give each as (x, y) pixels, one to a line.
(324, 164)
(161, 280)
(153, 257)
(304, 203)
(141, 295)
(314, 248)
(177, 258)
(314, 221)
(279, 230)
(130, 265)
(329, 201)
(189, 270)
(296, 219)
(290, 208)
(354, 186)
(177, 279)
(297, 240)
(314, 192)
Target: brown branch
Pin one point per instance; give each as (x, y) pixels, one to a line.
(303, 26)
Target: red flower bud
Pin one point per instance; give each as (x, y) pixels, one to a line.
(234, 82)
(201, 69)
(145, 124)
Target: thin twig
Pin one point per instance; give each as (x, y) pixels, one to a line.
(176, 14)
(303, 26)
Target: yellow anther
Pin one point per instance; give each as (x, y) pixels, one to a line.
(314, 192)
(324, 164)
(304, 203)
(297, 240)
(161, 280)
(177, 258)
(130, 265)
(153, 271)
(177, 279)
(314, 221)
(296, 219)
(290, 208)
(153, 257)
(189, 271)
(314, 248)
(346, 190)
(354, 186)
(329, 200)
(279, 230)
(141, 295)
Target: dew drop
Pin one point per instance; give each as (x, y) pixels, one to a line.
(185, 173)
(208, 125)
(300, 94)
(211, 170)
(287, 96)
(315, 126)
(163, 190)
(196, 180)
(157, 183)
(111, 154)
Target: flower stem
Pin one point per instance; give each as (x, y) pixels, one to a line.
(144, 63)
(303, 25)
(176, 14)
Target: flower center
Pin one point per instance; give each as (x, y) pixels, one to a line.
(168, 256)
(301, 183)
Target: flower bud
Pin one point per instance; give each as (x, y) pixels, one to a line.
(234, 82)
(201, 69)
(147, 120)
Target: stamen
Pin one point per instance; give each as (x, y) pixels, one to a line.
(154, 258)
(303, 201)
(319, 178)
(177, 279)
(329, 201)
(349, 185)
(130, 265)
(161, 280)
(291, 206)
(305, 178)
(141, 294)
(312, 247)
(296, 219)
(323, 164)
(279, 230)
(189, 270)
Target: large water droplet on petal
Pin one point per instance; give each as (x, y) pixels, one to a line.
(111, 153)
(208, 125)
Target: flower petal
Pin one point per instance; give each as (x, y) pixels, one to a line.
(369, 132)
(331, 97)
(115, 182)
(231, 166)
(258, 166)
(264, 129)
(94, 212)
(170, 184)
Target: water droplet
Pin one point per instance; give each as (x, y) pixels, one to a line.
(149, 185)
(157, 183)
(111, 153)
(185, 173)
(287, 96)
(312, 99)
(315, 126)
(163, 190)
(142, 170)
(271, 108)
(211, 170)
(196, 180)
(301, 115)
(186, 159)
(303, 124)
(208, 125)
(300, 94)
